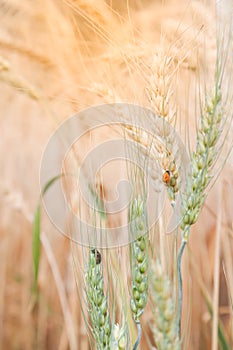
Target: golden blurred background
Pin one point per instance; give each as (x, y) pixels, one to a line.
(56, 58)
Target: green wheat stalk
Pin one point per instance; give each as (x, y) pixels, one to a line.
(214, 119)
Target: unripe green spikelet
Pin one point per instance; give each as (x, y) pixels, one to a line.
(98, 304)
(201, 162)
(165, 329)
(139, 258)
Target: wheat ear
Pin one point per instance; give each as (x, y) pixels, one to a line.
(165, 332)
(139, 262)
(201, 161)
(199, 177)
(97, 301)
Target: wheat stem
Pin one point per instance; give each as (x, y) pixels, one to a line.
(139, 328)
(180, 286)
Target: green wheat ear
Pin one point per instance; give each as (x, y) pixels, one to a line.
(139, 261)
(165, 330)
(97, 301)
(201, 161)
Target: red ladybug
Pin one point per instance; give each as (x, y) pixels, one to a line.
(166, 177)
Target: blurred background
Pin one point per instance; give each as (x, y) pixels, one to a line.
(56, 58)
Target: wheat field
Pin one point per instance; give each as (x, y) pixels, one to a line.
(58, 58)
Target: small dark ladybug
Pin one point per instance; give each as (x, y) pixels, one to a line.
(166, 177)
(97, 256)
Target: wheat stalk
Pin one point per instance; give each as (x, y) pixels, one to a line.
(199, 177)
(213, 121)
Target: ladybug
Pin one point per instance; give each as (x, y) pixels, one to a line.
(166, 177)
(97, 256)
